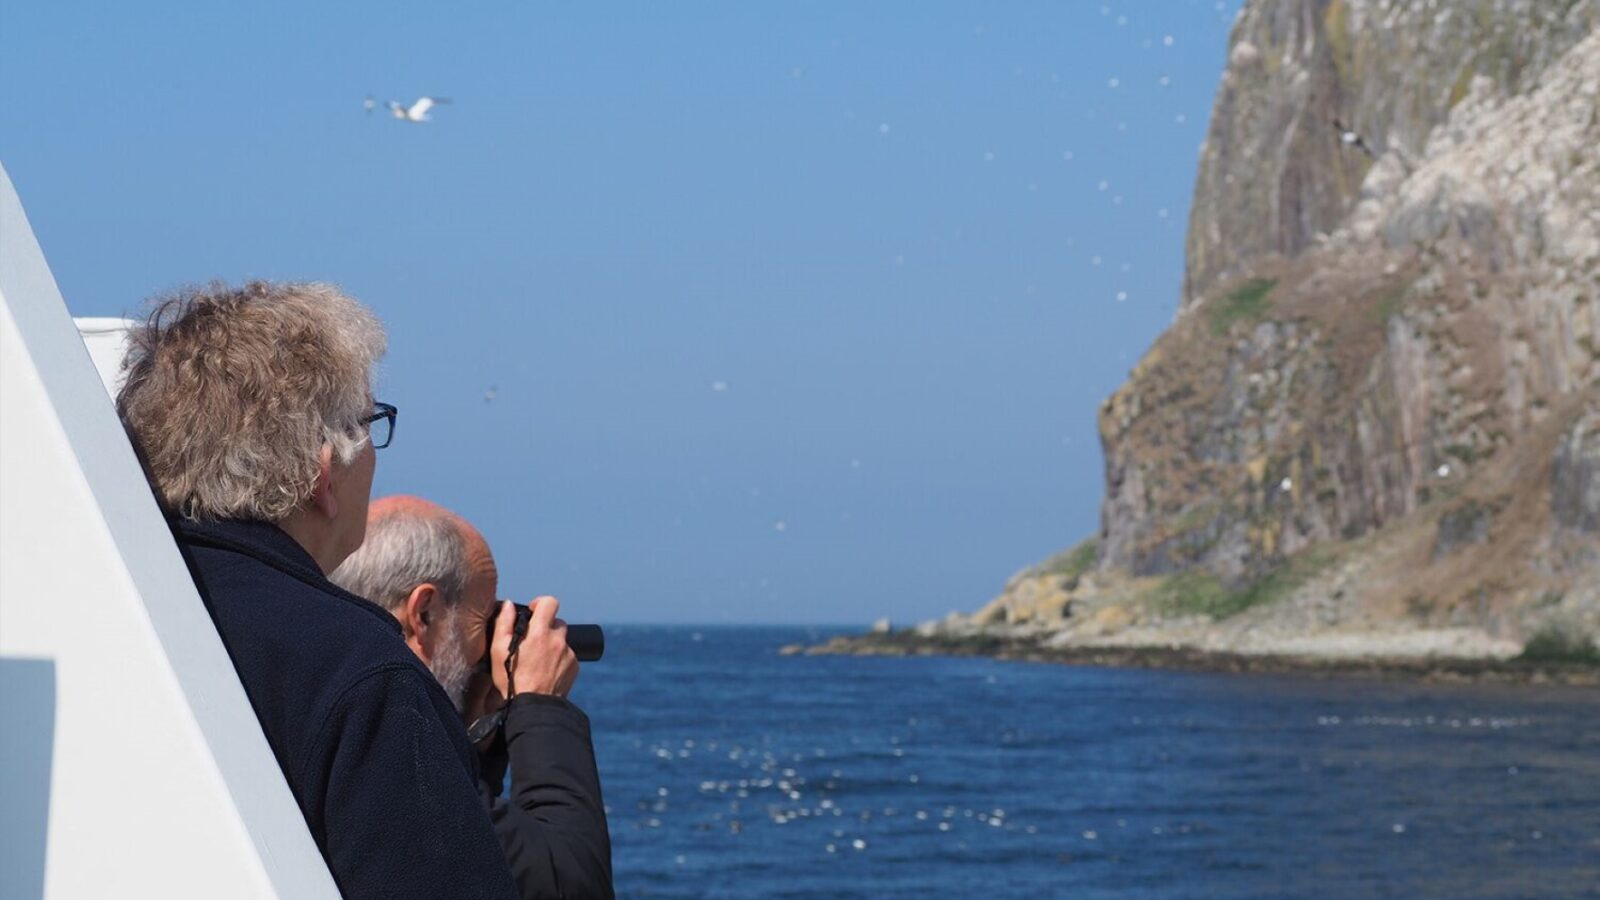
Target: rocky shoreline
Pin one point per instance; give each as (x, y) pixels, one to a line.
(1028, 648)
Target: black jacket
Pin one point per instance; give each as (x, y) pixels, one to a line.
(553, 826)
(375, 753)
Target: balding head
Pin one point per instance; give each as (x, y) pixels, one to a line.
(479, 560)
(409, 542)
(405, 504)
(434, 573)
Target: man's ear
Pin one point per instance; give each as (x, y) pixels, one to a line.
(322, 498)
(419, 613)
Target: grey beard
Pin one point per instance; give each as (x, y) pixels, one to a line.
(449, 665)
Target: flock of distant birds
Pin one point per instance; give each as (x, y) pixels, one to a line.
(420, 108)
(419, 111)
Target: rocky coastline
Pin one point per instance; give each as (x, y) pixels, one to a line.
(1025, 648)
(1369, 443)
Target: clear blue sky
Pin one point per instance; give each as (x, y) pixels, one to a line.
(915, 244)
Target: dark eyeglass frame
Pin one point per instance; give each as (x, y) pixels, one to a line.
(381, 411)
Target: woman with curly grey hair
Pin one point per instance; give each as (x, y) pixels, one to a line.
(256, 403)
(253, 410)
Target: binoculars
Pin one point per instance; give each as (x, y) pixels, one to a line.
(588, 642)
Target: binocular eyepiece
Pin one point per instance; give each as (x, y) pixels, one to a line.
(588, 642)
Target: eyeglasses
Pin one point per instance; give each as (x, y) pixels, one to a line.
(381, 434)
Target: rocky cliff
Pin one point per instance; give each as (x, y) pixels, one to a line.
(1374, 425)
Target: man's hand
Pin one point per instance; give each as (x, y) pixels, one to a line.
(544, 663)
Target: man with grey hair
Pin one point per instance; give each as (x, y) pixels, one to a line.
(433, 571)
(413, 563)
(252, 408)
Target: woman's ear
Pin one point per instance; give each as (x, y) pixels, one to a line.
(322, 498)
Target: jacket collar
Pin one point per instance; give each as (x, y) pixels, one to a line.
(271, 545)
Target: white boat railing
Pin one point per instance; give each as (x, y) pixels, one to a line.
(131, 763)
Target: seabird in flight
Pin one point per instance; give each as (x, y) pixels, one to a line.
(418, 111)
(1352, 138)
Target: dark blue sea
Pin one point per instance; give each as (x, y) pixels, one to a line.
(732, 771)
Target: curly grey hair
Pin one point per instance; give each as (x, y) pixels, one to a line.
(231, 394)
(402, 550)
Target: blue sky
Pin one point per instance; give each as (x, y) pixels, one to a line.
(791, 312)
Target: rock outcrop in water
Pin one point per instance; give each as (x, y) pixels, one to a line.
(1374, 426)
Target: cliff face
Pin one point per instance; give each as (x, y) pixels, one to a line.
(1274, 176)
(1380, 400)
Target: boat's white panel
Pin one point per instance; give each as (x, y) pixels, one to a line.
(107, 340)
(131, 764)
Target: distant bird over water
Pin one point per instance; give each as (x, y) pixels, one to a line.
(416, 112)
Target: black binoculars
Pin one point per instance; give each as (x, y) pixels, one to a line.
(588, 642)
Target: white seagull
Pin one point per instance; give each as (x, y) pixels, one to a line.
(416, 112)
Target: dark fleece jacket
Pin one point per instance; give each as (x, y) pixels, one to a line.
(372, 748)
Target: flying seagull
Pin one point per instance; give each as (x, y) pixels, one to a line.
(418, 111)
(1352, 138)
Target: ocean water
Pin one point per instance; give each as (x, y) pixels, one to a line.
(732, 771)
